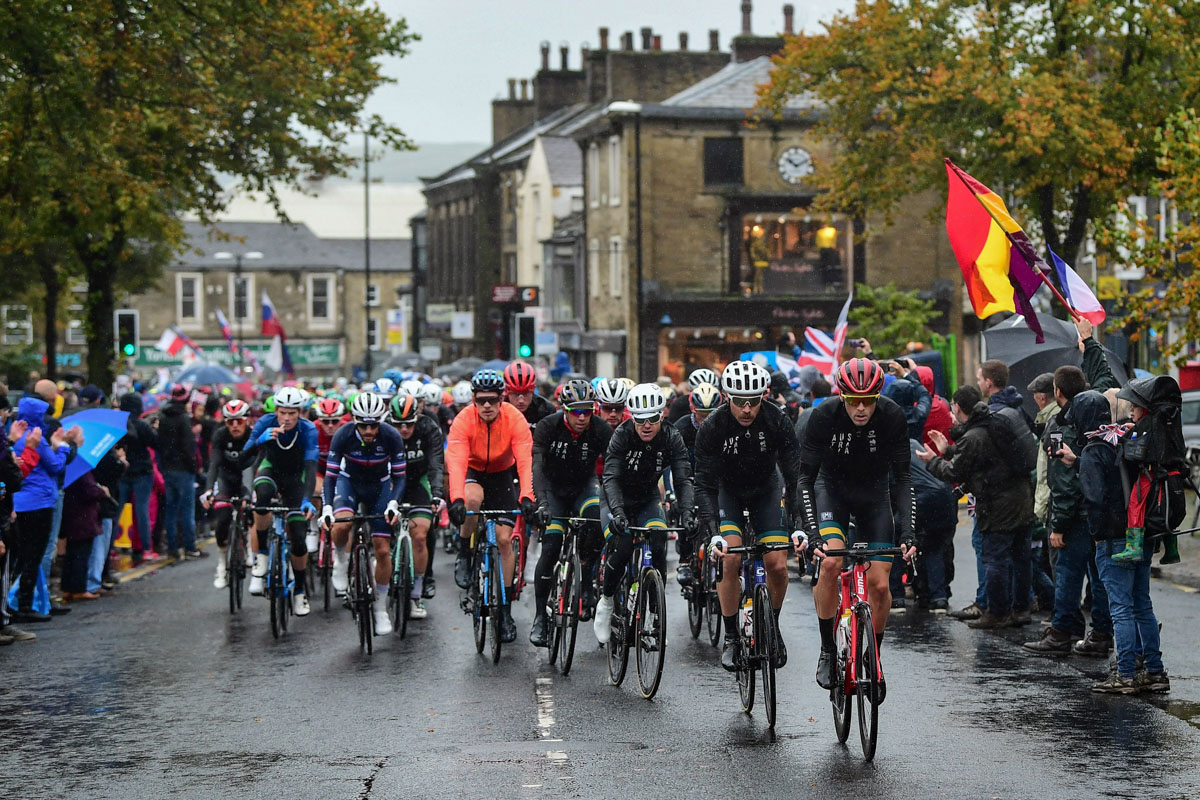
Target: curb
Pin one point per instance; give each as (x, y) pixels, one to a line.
(142, 570)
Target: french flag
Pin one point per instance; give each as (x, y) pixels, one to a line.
(1076, 291)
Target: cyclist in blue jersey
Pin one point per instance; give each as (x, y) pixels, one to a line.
(287, 466)
(366, 465)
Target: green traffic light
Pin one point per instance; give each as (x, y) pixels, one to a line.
(129, 349)
(525, 351)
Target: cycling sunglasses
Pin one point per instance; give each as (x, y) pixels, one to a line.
(745, 402)
(654, 420)
(487, 400)
(611, 409)
(406, 424)
(367, 426)
(328, 420)
(238, 420)
(581, 411)
(860, 400)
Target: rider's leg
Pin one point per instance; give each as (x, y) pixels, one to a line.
(418, 529)
(543, 573)
(297, 531)
(508, 561)
(473, 499)
(264, 493)
(382, 545)
(879, 592)
(776, 565)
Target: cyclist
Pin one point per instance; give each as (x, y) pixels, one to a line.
(489, 441)
(853, 446)
(385, 388)
(680, 407)
(366, 465)
(228, 459)
(611, 395)
(566, 448)
(747, 459)
(423, 490)
(330, 415)
(640, 450)
(704, 399)
(520, 379)
(288, 468)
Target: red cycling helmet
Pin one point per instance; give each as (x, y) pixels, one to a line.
(859, 376)
(330, 408)
(519, 377)
(235, 409)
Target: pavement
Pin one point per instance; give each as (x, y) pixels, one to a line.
(158, 691)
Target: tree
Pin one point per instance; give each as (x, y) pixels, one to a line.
(1047, 100)
(1173, 296)
(890, 318)
(116, 118)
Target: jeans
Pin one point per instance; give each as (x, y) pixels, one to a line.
(100, 547)
(139, 488)
(1042, 584)
(52, 545)
(33, 529)
(980, 569)
(180, 509)
(933, 564)
(1076, 561)
(1000, 556)
(1022, 570)
(1135, 629)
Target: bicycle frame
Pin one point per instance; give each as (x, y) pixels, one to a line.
(279, 549)
(484, 547)
(853, 596)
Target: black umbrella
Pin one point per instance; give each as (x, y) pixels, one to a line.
(1013, 343)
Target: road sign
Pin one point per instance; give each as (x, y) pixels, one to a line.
(529, 295)
(547, 343)
(462, 325)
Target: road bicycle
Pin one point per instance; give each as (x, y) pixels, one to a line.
(400, 583)
(236, 560)
(360, 586)
(701, 595)
(280, 582)
(487, 594)
(639, 618)
(565, 604)
(857, 670)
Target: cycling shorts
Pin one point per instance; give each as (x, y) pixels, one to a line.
(499, 490)
(373, 496)
(584, 502)
(870, 507)
(225, 489)
(766, 512)
(418, 495)
(289, 487)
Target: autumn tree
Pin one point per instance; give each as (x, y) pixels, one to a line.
(1056, 102)
(116, 118)
(890, 318)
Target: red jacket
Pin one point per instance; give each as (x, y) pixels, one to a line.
(940, 418)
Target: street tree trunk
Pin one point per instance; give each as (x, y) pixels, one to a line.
(52, 284)
(101, 267)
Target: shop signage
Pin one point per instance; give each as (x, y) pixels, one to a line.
(462, 325)
(504, 293)
(308, 354)
(439, 315)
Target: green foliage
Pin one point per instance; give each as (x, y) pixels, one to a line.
(890, 318)
(16, 362)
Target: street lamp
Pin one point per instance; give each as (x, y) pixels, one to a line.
(628, 108)
(225, 255)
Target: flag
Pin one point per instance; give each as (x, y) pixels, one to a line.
(271, 324)
(189, 343)
(822, 350)
(817, 342)
(1001, 269)
(226, 331)
(1076, 291)
(277, 357)
(839, 332)
(169, 342)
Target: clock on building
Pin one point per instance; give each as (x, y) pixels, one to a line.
(795, 164)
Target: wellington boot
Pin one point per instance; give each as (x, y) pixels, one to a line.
(1134, 538)
(1170, 550)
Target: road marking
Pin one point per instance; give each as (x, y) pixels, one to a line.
(545, 706)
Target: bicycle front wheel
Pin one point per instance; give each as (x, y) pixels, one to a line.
(867, 677)
(713, 603)
(650, 640)
(556, 609)
(362, 598)
(696, 601)
(402, 576)
(495, 604)
(765, 636)
(479, 616)
(841, 703)
(618, 645)
(235, 561)
(745, 670)
(275, 578)
(325, 565)
(572, 608)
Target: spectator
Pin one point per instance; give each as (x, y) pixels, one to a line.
(783, 394)
(177, 460)
(47, 390)
(81, 507)
(12, 473)
(90, 396)
(992, 377)
(1042, 391)
(935, 526)
(910, 394)
(1070, 535)
(940, 419)
(137, 482)
(807, 377)
(1003, 505)
(108, 474)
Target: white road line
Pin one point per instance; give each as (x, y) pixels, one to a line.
(545, 706)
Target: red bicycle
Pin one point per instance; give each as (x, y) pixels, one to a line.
(857, 671)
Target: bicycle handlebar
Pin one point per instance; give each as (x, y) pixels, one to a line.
(644, 529)
(862, 552)
(577, 520)
(276, 510)
(756, 548)
(492, 513)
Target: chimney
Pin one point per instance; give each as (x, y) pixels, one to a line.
(524, 88)
(647, 35)
(512, 88)
(714, 40)
(789, 16)
(627, 40)
(584, 52)
(747, 7)
(563, 50)
(546, 56)
(683, 40)
(604, 38)
(657, 42)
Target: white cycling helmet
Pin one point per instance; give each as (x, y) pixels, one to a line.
(461, 393)
(368, 407)
(646, 400)
(290, 397)
(745, 379)
(612, 392)
(385, 386)
(412, 386)
(702, 376)
(431, 393)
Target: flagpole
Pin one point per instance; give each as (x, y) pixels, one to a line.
(1074, 314)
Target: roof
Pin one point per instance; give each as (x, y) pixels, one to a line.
(735, 86)
(284, 246)
(564, 160)
(387, 255)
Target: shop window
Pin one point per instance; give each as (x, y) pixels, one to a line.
(723, 162)
(794, 253)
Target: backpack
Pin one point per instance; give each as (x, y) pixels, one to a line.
(1014, 440)
(1155, 448)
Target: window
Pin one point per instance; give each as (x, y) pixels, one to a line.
(75, 332)
(593, 268)
(373, 295)
(372, 333)
(593, 175)
(320, 301)
(616, 267)
(18, 324)
(794, 252)
(536, 200)
(241, 293)
(723, 162)
(189, 299)
(614, 171)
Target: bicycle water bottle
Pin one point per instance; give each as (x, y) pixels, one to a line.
(747, 617)
(843, 631)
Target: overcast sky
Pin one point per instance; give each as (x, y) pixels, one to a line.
(469, 48)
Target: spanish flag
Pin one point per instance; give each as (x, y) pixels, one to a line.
(997, 259)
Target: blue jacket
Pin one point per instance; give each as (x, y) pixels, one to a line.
(40, 488)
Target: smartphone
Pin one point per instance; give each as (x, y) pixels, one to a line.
(856, 343)
(1056, 440)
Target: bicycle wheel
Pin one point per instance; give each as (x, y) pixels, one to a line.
(696, 602)
(745, 670)
(519, 550)
(651, 639)
(235, 558)
(362, 599)
(325, 565)
(479, 615)
(285, 597)
(618, 645)
(495, 605)
(764, 648)
(573, 600)
(404, 572)
(273, 586)
(841, 703)
(867, 675)
(556, 609)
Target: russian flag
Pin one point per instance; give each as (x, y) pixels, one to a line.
(226, 331)
(1076, 291)
(271, 324)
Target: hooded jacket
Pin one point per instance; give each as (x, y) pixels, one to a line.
(139, 438)
(176, 442)
(40, 487)
(914, 399)
(1041, 492)
(940, 419)
(1099, 468)
(1009, 397)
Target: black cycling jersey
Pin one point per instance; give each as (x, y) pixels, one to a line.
(687, 429)
(564, 460)
(539, 409)
(445, 416)
(743, 458)
(228, 459)
(858, 459)
(680, 407)
(425, 450)
(632, 467)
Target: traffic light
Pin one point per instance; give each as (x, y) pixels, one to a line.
(127, 333)
(526, 338)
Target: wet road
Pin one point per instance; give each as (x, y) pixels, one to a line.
(158, 691)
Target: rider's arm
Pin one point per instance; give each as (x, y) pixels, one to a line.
(264, 422)
(399, 462)
(214, 463)
(906, 504)
(614, 463)
(817, 435)
(522, 449)
(707, 477)
(681, 469)
(333, 465)
(788, 458)
(458, 450)
(543, 434)
(807, 492)
(434, 447)
(312, 452)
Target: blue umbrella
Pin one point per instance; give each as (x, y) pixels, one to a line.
(102, 428)
(496, 364)
(203, 374)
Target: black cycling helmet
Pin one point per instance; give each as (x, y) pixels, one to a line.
(577, 393)
(487, 380)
